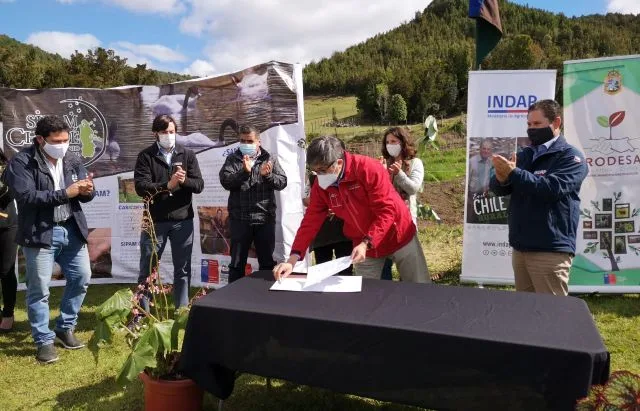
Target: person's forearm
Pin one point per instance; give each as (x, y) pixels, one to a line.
(293, 259)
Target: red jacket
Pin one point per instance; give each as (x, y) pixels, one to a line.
(367, 202)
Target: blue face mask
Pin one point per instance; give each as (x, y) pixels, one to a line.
(248, 149)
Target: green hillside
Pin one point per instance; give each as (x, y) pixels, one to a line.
(26, 66)
(427, 59)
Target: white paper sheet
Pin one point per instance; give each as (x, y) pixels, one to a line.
(319, 272)
(335, 284)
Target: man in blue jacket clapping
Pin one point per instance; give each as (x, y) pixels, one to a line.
(49, 184)
(544, 182)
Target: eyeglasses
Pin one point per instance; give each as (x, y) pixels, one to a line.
(325, 170)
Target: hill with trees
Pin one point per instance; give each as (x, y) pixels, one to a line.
(426, 60)
(26, 66)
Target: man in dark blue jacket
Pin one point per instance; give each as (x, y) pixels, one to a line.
(49, 186)
(252, 176)
(544, 182)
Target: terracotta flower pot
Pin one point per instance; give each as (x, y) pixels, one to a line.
(166, 395)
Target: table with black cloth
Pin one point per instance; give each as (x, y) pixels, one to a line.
(433, 346)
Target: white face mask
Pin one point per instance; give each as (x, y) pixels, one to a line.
(394, 149)
(325, 180)
(167, 141)
(56, 151)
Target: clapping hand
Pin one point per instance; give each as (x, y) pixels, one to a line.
(177, 178)
(395, 168)
(265, 168)
(247, 163)
(503, 167)
(86, 185)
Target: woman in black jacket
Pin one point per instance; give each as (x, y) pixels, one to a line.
(8, 248)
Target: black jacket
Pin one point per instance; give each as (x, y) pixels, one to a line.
(7, 205)
(152, 174)
(252, 196)
(31, 184)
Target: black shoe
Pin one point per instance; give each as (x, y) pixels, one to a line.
(47, 354)
(68, 340)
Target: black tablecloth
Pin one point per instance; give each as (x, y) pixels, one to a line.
(434, 346)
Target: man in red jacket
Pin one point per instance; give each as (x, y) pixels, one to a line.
(376, 219)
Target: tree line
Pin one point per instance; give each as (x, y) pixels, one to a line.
(26, 66)
(426, 60)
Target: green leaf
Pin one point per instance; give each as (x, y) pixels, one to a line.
(135, 364)
(179, 324)
(623, 390)
(145, 350)
(603, 121)
(102, 334)
(118, 304)
(163, 334)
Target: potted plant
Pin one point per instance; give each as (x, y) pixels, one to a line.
(152, 335)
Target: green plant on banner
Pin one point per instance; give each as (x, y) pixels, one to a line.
(621, 392)
(612, 121)
(153, 334)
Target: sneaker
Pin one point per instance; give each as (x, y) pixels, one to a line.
(68, 340)
(46, 354)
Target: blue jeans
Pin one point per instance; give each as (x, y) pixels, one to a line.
(180, 233)
(386, 270)
(69, 250)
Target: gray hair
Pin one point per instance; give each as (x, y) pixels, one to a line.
(324, 151)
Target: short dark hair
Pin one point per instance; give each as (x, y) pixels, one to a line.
(50, 124)
(549, 108)
(324, 151)
(161, 123)
(248, 129)
(406, 142)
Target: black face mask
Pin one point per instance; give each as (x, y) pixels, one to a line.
(540, 135)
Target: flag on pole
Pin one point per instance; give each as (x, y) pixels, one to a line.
(488, 26)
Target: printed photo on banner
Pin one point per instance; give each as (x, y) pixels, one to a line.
(127, 191)
(99, 247)
(483, 207)
(215, 231)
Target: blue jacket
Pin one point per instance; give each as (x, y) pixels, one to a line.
(544, 209)
(31, 183)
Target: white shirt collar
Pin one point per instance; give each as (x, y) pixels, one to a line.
(550, 142)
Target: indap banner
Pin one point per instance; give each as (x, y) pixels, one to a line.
(497, 124)
(110, 127)
(602, 109)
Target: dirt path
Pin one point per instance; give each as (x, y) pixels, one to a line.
(446, 198)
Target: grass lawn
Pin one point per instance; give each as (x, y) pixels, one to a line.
(75, 382)
(318, 110)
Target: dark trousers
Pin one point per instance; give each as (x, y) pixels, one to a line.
(8, 280)
(180, 233)
(342, 249)
(386, 270)
(243, 233)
